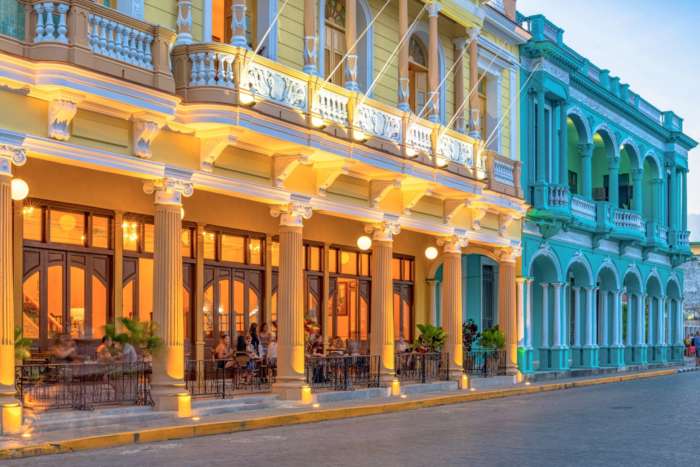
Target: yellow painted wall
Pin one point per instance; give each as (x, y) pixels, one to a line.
(164, 13)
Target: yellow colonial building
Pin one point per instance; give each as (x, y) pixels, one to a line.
(210, 164)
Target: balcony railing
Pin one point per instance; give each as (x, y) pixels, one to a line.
(224, 74)
(682, 240)
(626, 219)
(583, 208)
(86, 34)
(558, 196)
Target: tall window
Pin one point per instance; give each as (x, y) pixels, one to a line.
(221, 22)
(334, 48)
(67, 279)
(349, 295)
(418, 75)
(402, 271)
(482, 106)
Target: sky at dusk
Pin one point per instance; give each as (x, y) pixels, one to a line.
(652, 45)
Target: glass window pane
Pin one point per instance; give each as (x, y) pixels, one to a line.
(315, 258)
(208, 311)
(145, 289)
(67, 227)
(224, 305)
(396, 269)
(100, 232)
(364, 264)
(99, 307)
(238, 305)
(275, 247)
(348, 262)
(55, 299)
(31, 223)
(187, 273)
(130, 235)
(333, 260)
(77, 302)
(397, 314)
(252, 306)
(31, 306)
(407, 269)
(232, 248)
(148, 238)
(209, 245)
(255, 249)
(128, 300)
(186, 243)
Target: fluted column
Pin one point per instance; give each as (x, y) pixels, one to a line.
(637, 177)
(585, 151)
(239, 23)
(577, 317)
(617, 356)
(684, 200)
(589, 354)
(520, 317)
(545, 315)
(168, 362)
(460, 85)
(290, 299)
(350, 78)
(528, 314)
(650, 325)
(404, 80)
(432, 299)
(184, 22)
(631, 298)
(9, 155)
(310, 38)
(474, 113)
(674, 201)
(433, 63)
(614, 182)
(507, 312)
(382, 315)
(559, 359)
(452, 301)
(541, 143)
(563, 146)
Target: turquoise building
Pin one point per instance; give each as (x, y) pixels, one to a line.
(605, 173)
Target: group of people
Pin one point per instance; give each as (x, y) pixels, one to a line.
(692, 345)
(253, 347)
(64, 349)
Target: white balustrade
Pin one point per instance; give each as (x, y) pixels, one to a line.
(275, 86)
(378, 123)
(420, 137)
(583, 208)
(212, 69)
(456, 150)
(558, 195)
(627, 219)
(51, 24)
(331, 106)
(663, 233)
(503, 172)
(121, 42)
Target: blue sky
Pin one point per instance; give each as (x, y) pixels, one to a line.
(654, 45)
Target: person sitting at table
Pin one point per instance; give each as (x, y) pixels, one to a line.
(221, 352)
(128, 353)
(271, 355)
(104, 350)
(64, 349)
(401, 345)
(337, 347)
(241, 355)
(250, 347)
(264, 337)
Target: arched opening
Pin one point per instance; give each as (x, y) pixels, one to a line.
(578, 281)
(544, 272)
(628, 161)
(652, 311)
(631, 317)
(605, 313)
(651, 190)
(418, 75)
(603, 153)
(576, 136)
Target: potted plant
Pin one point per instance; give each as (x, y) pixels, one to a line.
(140, 334)
(430, 339)
(22, 346)
(492, 340)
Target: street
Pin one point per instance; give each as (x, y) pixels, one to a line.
(642, 423)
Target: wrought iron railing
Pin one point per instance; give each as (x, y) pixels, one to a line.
(227, 378)
(421, 367)
(83, 386)
(343, 373)
(485, 362)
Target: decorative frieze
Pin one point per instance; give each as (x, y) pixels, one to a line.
(378, 123)
(275, 86)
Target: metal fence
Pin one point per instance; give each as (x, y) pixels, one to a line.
(227, 378)
(83, 386)
(485, 362)
(418, 367)
(342, 373)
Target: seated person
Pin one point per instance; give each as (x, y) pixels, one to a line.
(104, 350)
(401, 345)
(128, 353)
(64, 349)
(221, 351)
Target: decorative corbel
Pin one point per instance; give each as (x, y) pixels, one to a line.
(144, 129)
(411, 196)
(211, 145)
(62, 109)
(504, 221)
(450, 208)
(327, 173)
(284, 166)
(478, 213)
(379, 189)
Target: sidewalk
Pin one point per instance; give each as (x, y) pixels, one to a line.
(265, 412)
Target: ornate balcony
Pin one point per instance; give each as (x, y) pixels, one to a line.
(228, 75)
(583, 209)
(83, 33)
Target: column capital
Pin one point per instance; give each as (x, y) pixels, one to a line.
(521, 279)
(384, 231)
(585, 149)
(169, 190)
(510, 254)
(558, 285)
(453, 243)
(10, 155)
(473, 33)
(545, 285)
(434, 8)
(293, 213)
(460, 42)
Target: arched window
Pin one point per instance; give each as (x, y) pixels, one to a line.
(334, 48)
(418, 75)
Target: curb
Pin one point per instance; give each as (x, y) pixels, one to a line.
(215, 428)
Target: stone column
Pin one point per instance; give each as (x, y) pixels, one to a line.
(673, 202)
(433, 63)
(661, 338)
(544, 350)
(577, 317)
(520, 317)
(460, 123)
(290, 300)
(589, 355)
(239, 24)
(559, 357)
(507, 305)
(432, 299)
(168, 380)
(474, 114)
(310, 38)
(350, 78)
(563, 146)
(184, 22)
(637, 195)
(617, 351)
(585, 150)
(555, 152)
(641, 346)
(404, 81)
(541, 143)
(452, 301)
(628, 339)
(684, 200)
(382, 316)
(528, 324)
(613, 180)
(11, 416)
(604, 316)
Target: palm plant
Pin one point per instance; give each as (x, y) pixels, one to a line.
(140, 334)
(431, 338)
(22, 346)
(492, 338)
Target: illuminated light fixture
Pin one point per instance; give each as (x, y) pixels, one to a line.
(411, 151)
(472, 389)
(19, 189)
(26, 435)
(306, 396)
(195, 419)
(527, 383)
(315, 405)
(364, 243)
(431, 253)
(28, 210)
(395, 387)
(182, 213)
(440, 161)
(184, 405)
(403, 396)
(246, 99)
(318, 122)
(359, 135)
